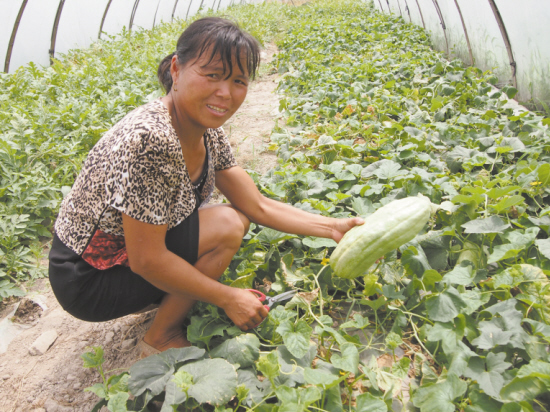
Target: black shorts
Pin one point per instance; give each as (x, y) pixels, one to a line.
(97, 295)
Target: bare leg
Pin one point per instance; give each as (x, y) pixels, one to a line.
(221, 231)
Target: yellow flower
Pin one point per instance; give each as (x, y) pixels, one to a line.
(536, 183)
(325, 261)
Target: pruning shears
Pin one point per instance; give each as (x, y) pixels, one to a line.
(270, 300)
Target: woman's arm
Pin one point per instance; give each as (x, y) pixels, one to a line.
(149, 258)
(240, 190)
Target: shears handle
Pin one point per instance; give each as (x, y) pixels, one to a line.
(261, 297)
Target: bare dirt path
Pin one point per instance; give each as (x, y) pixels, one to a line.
(54, 381)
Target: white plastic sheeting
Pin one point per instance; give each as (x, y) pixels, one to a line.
(118, 16)
(38, 34)
(165, 10)
(145, 14)
(34, 29)
(8, 16)
(79, 25)
(526, 24)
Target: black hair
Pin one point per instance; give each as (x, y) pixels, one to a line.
(223, 38)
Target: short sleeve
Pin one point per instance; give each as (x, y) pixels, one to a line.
(224, 158)
(138, 182)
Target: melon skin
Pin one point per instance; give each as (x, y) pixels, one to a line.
(389, 227)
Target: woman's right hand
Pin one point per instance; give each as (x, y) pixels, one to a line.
(245, 309)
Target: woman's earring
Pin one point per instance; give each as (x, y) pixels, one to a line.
(175, 88)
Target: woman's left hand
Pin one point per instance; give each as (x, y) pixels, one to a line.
(341, 226)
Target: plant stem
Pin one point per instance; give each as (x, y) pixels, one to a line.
(320, 290)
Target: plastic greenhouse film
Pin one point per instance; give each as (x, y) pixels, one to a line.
(187, 8)
(34, 34)
(487, 45)
(527, 27)
(8, 15)
(164, 11)
(145, 14)
(433, 24)
(79, 24)
(118, 16)
(455, 33)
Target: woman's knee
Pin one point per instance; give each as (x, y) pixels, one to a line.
(223, 226)
(233, 225)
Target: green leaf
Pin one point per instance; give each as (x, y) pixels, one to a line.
(439, 396)
(320, 377)
(493, 224)
(153, 372)
(256, 389)
(445, 306)
(491, 336)
(98, 389)
(507, 203)
(539, 328)
(244, 282)
(348, 359)
(295, 336)
(204, 328)
(544, 247)
(543, 174)
(272, 236)
(374, 304)
(506, 251)
(488, 372)
(430, 278)
(384, 169)
(333, 400)
(93, 359)
(318, 242)
(174, 395)
(462, 274)
(401, 367)
(358, 322)
(498, 192)
(118, 383)
(510, 91)
(268, 365)
(531, 381)
(369, 403)
(480, 402)
(297, 400)
(242, 350)
(393, 340)
(117, 402)
(291, 367)
(214, 381)
(183, 380)
(474, 298)
(362, 206)
(414, 259)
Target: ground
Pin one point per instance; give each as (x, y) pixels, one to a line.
(55, 380)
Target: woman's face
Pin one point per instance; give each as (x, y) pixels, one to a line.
(205, 96)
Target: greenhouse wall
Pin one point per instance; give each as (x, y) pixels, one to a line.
(37, 30)
(516, 48)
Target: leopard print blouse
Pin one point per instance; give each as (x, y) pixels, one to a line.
(137, 168)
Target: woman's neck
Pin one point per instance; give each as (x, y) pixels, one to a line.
(189, 135)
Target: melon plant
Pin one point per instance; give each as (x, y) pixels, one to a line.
(389, 227)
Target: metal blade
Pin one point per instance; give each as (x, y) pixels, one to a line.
(283, 296)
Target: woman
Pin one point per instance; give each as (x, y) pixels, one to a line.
(131, 233)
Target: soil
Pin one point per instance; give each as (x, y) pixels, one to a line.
(55, 381)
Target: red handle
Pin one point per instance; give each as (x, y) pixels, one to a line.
(258, 294)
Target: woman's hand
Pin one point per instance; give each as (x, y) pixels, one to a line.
(341, 226)
(245, 309)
